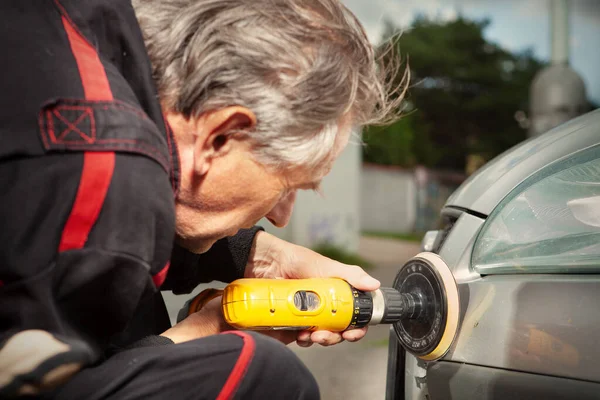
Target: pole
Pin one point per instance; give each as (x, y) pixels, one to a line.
(559, 28)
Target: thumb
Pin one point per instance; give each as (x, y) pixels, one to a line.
(355, 276)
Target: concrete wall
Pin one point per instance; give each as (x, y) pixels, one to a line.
(401, 200)
(388, 199)
(332, 217)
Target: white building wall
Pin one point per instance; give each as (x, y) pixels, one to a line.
(388, 199)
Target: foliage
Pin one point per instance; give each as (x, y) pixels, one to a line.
(463, 97)
(407, 143)
(408, 237)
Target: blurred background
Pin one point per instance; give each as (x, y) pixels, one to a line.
(485, 76)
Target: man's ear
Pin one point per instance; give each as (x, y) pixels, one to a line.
(216, 134)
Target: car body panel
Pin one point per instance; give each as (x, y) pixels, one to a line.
(519, 334)
(545, 324)
(449, 380)
(415, 379)
(482, 192)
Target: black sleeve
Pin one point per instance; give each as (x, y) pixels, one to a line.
(150, 341)
(225, 262)
(87, 210)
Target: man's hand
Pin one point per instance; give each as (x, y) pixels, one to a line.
(205, 322)
(272, 257)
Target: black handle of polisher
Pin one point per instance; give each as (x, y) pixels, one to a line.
(399, 305)
(389, 306)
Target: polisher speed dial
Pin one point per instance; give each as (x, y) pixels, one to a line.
(429, 332)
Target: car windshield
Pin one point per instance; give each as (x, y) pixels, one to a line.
(550, 225)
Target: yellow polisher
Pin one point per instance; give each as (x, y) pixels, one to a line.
(422, 305)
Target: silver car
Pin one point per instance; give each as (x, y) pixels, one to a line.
(522, 239)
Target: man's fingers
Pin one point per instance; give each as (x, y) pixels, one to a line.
(326, 338)
(304, 336)
(303, 339)
(354, 334)
(354, 275)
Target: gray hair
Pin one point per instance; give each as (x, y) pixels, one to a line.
(299, 65)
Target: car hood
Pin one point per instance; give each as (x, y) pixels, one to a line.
(482, 191)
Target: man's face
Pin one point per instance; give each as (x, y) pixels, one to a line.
(238, 191)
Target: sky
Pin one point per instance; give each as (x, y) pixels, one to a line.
(515, 25)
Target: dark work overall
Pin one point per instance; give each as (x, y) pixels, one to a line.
(88, 175)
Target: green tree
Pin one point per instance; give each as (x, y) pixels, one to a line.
(463, 97)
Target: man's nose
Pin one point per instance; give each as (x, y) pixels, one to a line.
(282, 212)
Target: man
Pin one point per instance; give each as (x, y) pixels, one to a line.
(98, 174)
